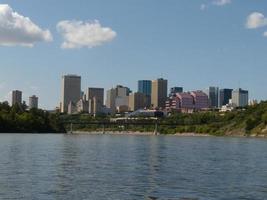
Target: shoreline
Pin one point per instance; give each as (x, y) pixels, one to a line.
(138, 133)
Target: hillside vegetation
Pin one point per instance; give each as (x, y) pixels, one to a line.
(248, 121)
(16, 119)
(251, 120)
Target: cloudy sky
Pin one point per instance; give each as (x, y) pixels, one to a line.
(193, 43)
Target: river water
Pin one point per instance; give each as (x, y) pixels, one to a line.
(131, 167)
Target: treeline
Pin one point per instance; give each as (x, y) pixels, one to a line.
(16, 119)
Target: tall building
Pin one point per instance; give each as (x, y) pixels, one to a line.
(137, 101)
(144, 86)
(70, 91)
(159, 93)
(95, 97)
(213, 94)
(175, 90)
(111, 100)
(117, 97)
(16, 97)
(240, 97)
(33, 102)
(225, 96)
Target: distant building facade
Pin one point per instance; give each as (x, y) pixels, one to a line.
(33, 102)
(145, 87)
(70, 91)
(188, 102)
(95, 97)
(137, 101)
(159, 93)
(201, 100)
(175, 90)
(213, 95)
(117, 97)
(240, 97)
(16, 97)
(225, 96)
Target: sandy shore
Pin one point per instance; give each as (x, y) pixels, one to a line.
(136, 133)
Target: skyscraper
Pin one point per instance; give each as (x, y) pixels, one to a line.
(240, 97)
(16, 97)
(225, 96)
(159, 93)
(70, 91)
(95, 96)
(137, 101)
(213, 94)
(33, 102)
(117, 97)
(144, 86)
(111, 100)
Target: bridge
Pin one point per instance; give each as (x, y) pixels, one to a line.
(119, 123)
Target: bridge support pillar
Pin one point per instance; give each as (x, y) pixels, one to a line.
(71, 128)
(156, 129)
(103, 129)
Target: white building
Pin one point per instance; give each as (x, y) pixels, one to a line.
(33, 102)
(240, 97)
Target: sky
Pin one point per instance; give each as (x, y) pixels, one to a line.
(192, 43)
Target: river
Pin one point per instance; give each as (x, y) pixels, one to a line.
(120, 167)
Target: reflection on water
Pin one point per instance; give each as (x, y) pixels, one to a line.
(131, 167)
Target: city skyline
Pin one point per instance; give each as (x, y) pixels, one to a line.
(189, 43)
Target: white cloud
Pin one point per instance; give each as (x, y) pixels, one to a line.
(265, 34)
(78, 34)
(16, 29)
(221, 2)
(256, 20)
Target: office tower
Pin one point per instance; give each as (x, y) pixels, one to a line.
(225, 96)
(122, 91)
(111, 100)
(96, 98)
(175, 90)
(213, 94)
(33, 102)
(159, 93)
(144, 86)
(117, 97)
(98, 93)
(137, 101)
(240, 97)
(16, 97)
(70, 91)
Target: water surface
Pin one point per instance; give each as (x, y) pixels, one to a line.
(131, 167)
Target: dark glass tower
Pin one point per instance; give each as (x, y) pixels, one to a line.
(144, 86)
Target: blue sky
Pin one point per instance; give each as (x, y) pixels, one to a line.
(192, 43)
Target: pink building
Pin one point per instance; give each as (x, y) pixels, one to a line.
(201, 100)
(188, 102)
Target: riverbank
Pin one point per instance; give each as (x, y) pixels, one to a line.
(138, 133)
